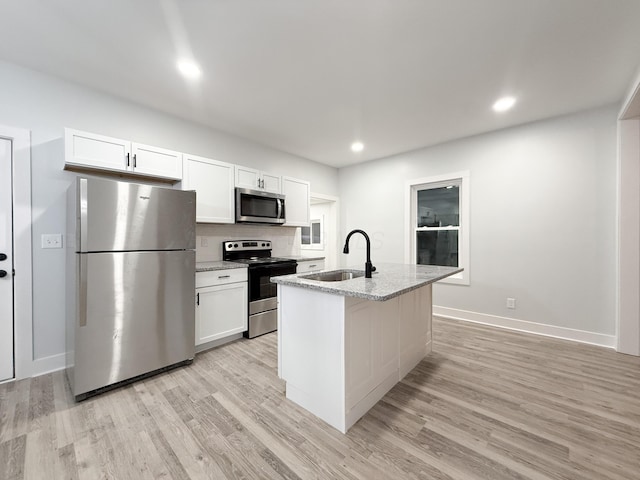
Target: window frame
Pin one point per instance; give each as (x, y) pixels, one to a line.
(313, 246)
(411, 222)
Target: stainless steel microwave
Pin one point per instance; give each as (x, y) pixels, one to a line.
(255, 206)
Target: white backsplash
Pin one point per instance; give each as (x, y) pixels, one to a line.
(285, 241)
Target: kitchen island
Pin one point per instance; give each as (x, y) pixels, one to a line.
(342, 345)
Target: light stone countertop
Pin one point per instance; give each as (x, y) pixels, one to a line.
(299, 258)
(221, 265)
(389, 280)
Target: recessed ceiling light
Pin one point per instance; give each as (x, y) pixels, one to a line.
(189, 69)
(357, 146)
(504, 104)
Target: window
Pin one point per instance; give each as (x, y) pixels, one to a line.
(438, 224)
(311, 237)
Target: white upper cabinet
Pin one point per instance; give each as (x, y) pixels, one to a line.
(297, 197)
(156, 161)
(247, 177)
(213, 182)
(271, 183)
(84, 150)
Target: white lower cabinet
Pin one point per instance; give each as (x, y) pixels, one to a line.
(221, 304)
(308, 266)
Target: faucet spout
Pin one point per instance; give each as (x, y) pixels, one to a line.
(368, 266)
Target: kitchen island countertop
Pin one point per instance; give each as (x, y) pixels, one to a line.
(388, 281)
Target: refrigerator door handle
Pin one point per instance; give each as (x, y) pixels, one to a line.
(82, 293)
(83, 215)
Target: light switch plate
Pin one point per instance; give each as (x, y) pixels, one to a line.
(51, 240)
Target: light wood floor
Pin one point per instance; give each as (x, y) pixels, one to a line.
(487, 403)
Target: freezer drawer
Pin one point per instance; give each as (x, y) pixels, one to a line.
(135, 314)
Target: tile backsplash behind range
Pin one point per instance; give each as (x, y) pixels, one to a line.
(209, 237)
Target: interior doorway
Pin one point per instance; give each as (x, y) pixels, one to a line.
(322, 239)
(6, 261)
(16, 308)
(628, 325)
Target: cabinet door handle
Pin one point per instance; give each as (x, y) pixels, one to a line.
(224, 276)
(127, 159)
(134, 160)
(197, 298)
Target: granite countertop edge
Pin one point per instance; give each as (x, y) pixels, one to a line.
(219, 265)
(392, 283)
(299, 258)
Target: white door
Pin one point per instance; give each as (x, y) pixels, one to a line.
(6, 262)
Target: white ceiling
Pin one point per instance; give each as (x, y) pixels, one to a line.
(310, 76)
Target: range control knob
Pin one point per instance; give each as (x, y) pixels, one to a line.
(235, 245)
(3, 256)
(3, 273)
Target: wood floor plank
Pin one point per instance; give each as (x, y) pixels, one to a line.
(485, 404)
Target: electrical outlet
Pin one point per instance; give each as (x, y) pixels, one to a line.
(51, 240)
(511, 303)
(204, 242)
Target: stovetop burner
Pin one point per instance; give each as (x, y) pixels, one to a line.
(262, 261)
(251, 252)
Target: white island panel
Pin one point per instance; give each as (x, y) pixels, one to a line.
(311, 351)
(344, 344)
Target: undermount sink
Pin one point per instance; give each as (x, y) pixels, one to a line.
(334, 275)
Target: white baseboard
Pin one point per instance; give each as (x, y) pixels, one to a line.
(41, 366)
(564, 333)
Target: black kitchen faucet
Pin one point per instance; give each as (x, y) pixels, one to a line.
(368, 267)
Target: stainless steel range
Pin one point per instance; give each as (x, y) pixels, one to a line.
(263, 300)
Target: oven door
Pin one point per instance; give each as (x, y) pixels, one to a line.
(260, 286)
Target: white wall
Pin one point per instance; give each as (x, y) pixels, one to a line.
(285, 241)
(45, 106)
(543, 218)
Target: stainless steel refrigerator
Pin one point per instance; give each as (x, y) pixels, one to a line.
(130, 282)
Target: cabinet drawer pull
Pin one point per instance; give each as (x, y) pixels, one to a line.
(311, 266)
(224, 276)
